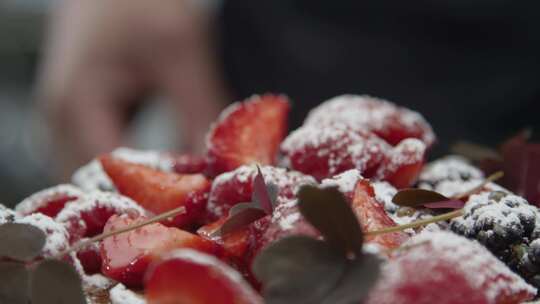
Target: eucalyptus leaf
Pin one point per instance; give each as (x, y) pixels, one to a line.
(413, 197)
(14, 280)
(239, 220)
(273, 191)
(328, 211)
(298, 269)
(360, 276)
(260, 196)
(56, 282)
(21, 242)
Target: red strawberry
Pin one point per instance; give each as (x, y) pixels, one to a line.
(324, 151)
(231, 188)
(444, 268)
(403, 163)
(365, 113)
(372, 216)
(126, 256)
(235, 244)
(159, 191)
(86, 216)
(49, 201)
(345, 182)
(90, 258)
(188, 276)
(247, 132)
(189, 164)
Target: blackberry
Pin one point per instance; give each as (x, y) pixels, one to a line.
(506, 224)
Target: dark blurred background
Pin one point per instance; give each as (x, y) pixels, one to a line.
(472, 68)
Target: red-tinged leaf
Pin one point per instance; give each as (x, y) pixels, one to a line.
(261, 196)
(239, 220)
(417, 197)
(449, 204)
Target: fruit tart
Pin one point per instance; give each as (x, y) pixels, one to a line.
(343, 209)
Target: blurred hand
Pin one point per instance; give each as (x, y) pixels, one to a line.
(101, 57)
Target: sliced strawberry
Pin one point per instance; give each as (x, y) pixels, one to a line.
(231, 188)
(235, 244)
(86, 216)
(159, 191)
(403, 163)
(247, 132)
(49, 201)
(188, 276)
(189, 164)
(365, 113)
(442, 267)
(324, 151)
(90, 258)
(126, 256)
(345, 182)
(372, 216)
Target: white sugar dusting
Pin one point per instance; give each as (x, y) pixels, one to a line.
(450, 167)
(114, 201)
(368, 113)
(154, 159)
(286, 181)
(384, 192)
(57, 235)
(7, 215)
(38, 199)
(97, 281)
(480, 268)
(92, 177)
(345, 182)
(121, 295)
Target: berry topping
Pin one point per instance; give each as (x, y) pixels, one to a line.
(188, 276)
(441, 267)
(56, 235)
(86, 216)
(231, 188)
(247, 132)
(90, 258)
(326, 151)
(403, 163)
(503, 222)
(345, 182)
(390, 122)
(126, 255)
(159, 191)
(49, 201)
(372, 216)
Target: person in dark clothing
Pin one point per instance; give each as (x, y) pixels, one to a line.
(470, 67)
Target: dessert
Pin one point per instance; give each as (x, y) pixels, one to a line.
(158, 227)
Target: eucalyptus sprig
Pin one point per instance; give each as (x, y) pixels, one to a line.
(25, 278)
(304, 270)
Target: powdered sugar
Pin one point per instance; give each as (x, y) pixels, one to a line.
(154, 159)
(345, 182)
(92, 177)
(57, 235)
(7, 215)
(452, 167)
(368, 113)
(39, 199)
(384, 192)
(121, 295)
(481, 270)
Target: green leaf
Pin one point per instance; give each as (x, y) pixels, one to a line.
(299, 270)
(56, 282)
(328, 211)
(240, 207)
(239, 220)
(273, 191)
(14, 280)
(21, 242)
(413, 197)
(360, 276)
